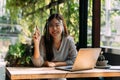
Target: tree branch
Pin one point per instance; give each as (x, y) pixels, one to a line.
(46, 7)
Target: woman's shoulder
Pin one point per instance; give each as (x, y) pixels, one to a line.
(69, 38)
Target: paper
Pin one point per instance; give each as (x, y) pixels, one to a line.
(115, 67)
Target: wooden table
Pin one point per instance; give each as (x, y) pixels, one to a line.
(46, 72)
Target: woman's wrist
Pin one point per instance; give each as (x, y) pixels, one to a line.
(49, 64)
(36, 43)
(55, 63)
(36, 51)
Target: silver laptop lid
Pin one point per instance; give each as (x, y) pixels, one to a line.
(86, 58)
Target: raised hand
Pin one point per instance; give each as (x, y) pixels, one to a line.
(36, 36)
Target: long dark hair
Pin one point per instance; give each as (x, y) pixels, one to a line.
(48, 38)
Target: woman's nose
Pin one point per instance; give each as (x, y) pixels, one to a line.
(54, 27)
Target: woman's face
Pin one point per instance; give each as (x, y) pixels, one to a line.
(55, 28)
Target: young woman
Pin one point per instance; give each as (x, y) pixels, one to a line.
(55, 47)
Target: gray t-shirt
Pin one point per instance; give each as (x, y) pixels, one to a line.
(67, 52)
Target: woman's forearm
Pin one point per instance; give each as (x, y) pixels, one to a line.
(53, 64)
(37, 59)
(60, 63)
(36, 52)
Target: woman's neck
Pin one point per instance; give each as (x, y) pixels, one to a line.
(57, 42)
(58, 39)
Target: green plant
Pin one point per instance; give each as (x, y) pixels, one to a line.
(101, 57)
(19, 55)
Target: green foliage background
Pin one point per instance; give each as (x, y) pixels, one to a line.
(31, 13)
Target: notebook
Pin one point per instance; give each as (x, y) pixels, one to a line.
(85, 59)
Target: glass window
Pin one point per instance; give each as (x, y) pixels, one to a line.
(89, 21)
(8, 33)
(2, 7)
(110, 23)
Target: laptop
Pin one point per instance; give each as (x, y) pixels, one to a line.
(85, 59)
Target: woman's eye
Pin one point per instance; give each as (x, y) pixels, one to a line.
(57, 25)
